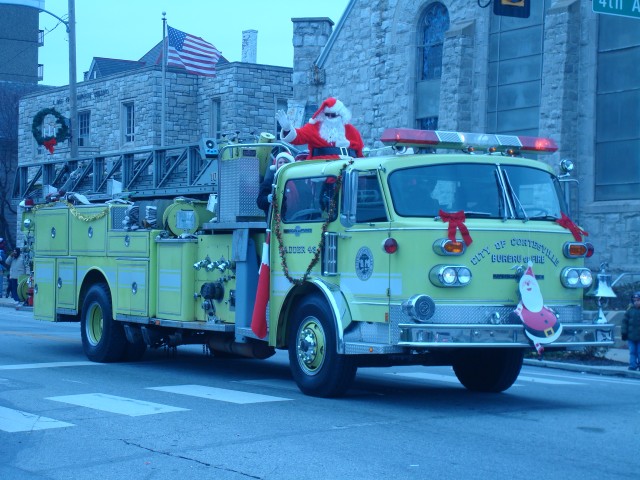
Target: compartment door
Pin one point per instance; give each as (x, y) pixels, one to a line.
(44, 289)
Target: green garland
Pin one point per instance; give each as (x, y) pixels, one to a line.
(316, 257)
(36, 126)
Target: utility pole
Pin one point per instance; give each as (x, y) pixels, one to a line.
(73, 104)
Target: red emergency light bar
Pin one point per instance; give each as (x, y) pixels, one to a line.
(513, 144)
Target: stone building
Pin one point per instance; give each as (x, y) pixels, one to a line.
(20, 72)
(564, 72)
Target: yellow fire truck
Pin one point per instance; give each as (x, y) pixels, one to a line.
(466, 259)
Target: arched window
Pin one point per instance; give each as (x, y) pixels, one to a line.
(432, 26)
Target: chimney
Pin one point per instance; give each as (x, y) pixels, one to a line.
(249, 46)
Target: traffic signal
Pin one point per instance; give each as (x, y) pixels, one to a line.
(512, 8)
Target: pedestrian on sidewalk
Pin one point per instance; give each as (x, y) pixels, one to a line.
(631, 331)
(16, 270)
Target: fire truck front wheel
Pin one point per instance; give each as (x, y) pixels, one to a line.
(489, 370)
(316, 366)
(103, 339)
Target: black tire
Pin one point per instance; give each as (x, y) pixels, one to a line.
(315, 364)
(103, 339)
(490, 370)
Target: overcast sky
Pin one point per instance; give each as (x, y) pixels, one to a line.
(127, 29)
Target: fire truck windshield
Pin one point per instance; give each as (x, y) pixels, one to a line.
(481, 191)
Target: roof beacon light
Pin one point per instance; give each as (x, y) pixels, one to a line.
(510, 144)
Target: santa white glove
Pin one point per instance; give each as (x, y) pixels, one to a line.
(270, 198)
(283, 120)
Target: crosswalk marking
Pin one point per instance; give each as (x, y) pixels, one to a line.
(28, 366)
(115, 404)
(13, 421)
(221, 394)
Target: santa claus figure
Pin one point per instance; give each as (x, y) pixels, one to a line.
(328, 134)
(540, 323)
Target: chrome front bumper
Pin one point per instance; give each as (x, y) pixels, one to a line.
(416, 335)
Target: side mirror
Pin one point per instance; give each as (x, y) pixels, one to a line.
(566, 167)
(350, 194)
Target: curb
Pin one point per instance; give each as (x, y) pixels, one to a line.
(22, 308)
(620, 371)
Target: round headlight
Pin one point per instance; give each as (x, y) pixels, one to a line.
(572, 277)
(448, 276)
(464, 275)
(586, 278)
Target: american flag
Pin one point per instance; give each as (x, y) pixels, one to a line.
(192, 53)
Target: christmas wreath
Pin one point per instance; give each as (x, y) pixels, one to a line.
(62, 132)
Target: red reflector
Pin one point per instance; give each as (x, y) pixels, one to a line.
(453, 247)
(28, 202)
(390, 245)
(590, 250)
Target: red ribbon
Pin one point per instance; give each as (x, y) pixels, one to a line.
(577, 232)
(456, 220)
(49, 144)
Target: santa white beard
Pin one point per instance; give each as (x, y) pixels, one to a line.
(332, 130)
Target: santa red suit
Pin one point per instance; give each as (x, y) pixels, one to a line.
(328, 134)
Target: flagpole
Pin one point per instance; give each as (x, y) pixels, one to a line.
(164, 78)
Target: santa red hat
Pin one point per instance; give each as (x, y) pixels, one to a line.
(332, 105)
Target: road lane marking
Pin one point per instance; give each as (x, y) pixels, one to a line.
(221, 394)
(453, 379)
(547, 381)
(27, 366)
(427, 376)
(13, 421)
(115, 404)
(272, 383)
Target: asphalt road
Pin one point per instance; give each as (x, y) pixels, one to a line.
(62, 417)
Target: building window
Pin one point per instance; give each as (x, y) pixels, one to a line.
(515, 72)
(432, 27)
(83, 128)
(617, 157)
(128, 122)
(215, 129)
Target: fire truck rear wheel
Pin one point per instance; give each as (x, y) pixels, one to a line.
(488, 370)
(316, 366)
(103, 339)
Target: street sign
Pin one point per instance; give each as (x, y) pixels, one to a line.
(624, 8)
(512, 8)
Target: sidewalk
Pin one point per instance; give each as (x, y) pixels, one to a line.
(9, 303)
(615, 354)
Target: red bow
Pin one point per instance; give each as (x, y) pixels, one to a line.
(49, 144)
(456, 220)
(566, 222)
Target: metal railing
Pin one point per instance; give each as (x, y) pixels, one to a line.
(152, 172)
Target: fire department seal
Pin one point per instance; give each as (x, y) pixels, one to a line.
(364, 263)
